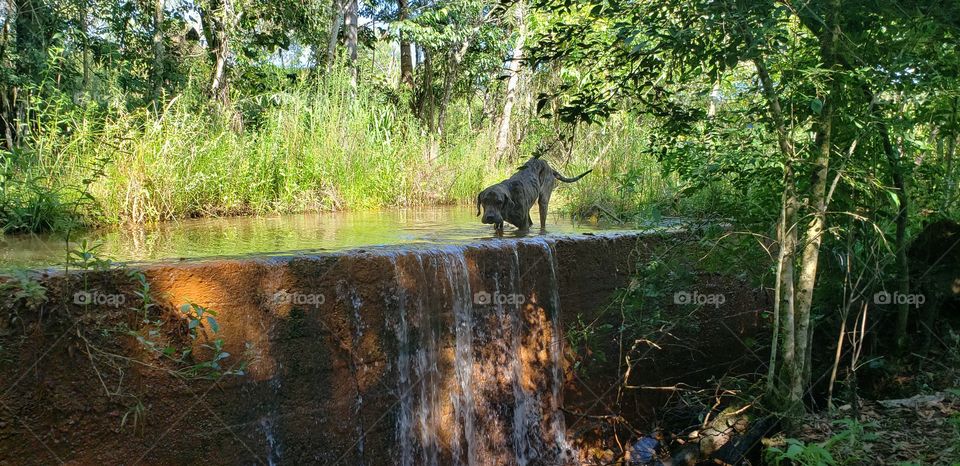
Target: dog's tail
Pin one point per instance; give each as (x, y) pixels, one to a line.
(570, 180)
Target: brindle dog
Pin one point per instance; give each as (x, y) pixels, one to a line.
(511, 200)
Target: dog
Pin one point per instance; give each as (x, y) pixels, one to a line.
(511, 200)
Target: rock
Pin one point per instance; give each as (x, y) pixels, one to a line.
(914, 402)
(644, 450)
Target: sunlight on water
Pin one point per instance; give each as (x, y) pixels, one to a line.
(238, 236)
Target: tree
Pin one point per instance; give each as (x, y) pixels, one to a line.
(159, 63)
(663, 58)
(513, 77)
(448, 36)
(217, 17)
(406, 58)
(339, 8)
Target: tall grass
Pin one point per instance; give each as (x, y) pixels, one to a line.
(318, 147)
(628, 182)
(625, 174)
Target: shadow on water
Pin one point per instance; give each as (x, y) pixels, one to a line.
(306, 233)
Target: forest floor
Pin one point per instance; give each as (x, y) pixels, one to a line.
(923, 429)
(908, 416)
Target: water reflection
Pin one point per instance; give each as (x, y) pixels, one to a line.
(277, 234)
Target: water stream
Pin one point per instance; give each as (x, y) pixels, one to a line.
(237, 236)
(477, 364)
(478, 380)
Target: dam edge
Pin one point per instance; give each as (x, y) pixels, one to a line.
(312, 371)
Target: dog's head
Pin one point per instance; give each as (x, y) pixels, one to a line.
(495, 202)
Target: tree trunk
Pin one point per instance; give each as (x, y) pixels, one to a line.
(7, 118)
(216, 21)
(7, 114)
(158, 49)
(406, 59)
(453, 68)
(513, 71)
(813, 237)
(714, 100)
(784, 306)
(894, 159)
(33, 29)
(452, 73)
(449, 75)
(87, 57)
(428, 105)
(334, 33)
(352, 30)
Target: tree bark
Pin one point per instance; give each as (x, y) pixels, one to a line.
(33, 30)
(510, 96)
(406, 58)
(426, 93)
(216, 21)
(453, 67)
(714, 100)
(450, 75)
(813, 237)
(428, 105)
(334, 33)
(780, 377)
(951, 179)
(159, 67)
(352, 31)
(6, 107)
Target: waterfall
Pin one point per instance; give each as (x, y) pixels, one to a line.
(556, 350)
(356, 362)
(525, 416)
(473, 384)
(266, 426)
(458, 277)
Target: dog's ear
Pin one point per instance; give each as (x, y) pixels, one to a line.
(478, 203)
(508, 201)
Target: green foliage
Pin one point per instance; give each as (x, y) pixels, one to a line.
(84, 256)
(586, 339)
(646, 309)
(799, 453)
(201, 325)
(315, 148)
(625, 174)
(27, 204)
(22, 289)
(844, 447)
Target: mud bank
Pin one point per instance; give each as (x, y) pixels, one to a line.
(436, 355)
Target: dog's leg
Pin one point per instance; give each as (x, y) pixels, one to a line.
(543, 212)
(543, 202)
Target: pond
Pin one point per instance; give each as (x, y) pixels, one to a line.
(272, 235)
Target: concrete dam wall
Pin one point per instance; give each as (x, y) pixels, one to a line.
(430, 355)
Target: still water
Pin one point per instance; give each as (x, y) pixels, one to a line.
(286, 234)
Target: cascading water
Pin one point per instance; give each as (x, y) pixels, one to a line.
(556, 342)
(356, 362)
(478, 379)
(266, 427)
(525, 415)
